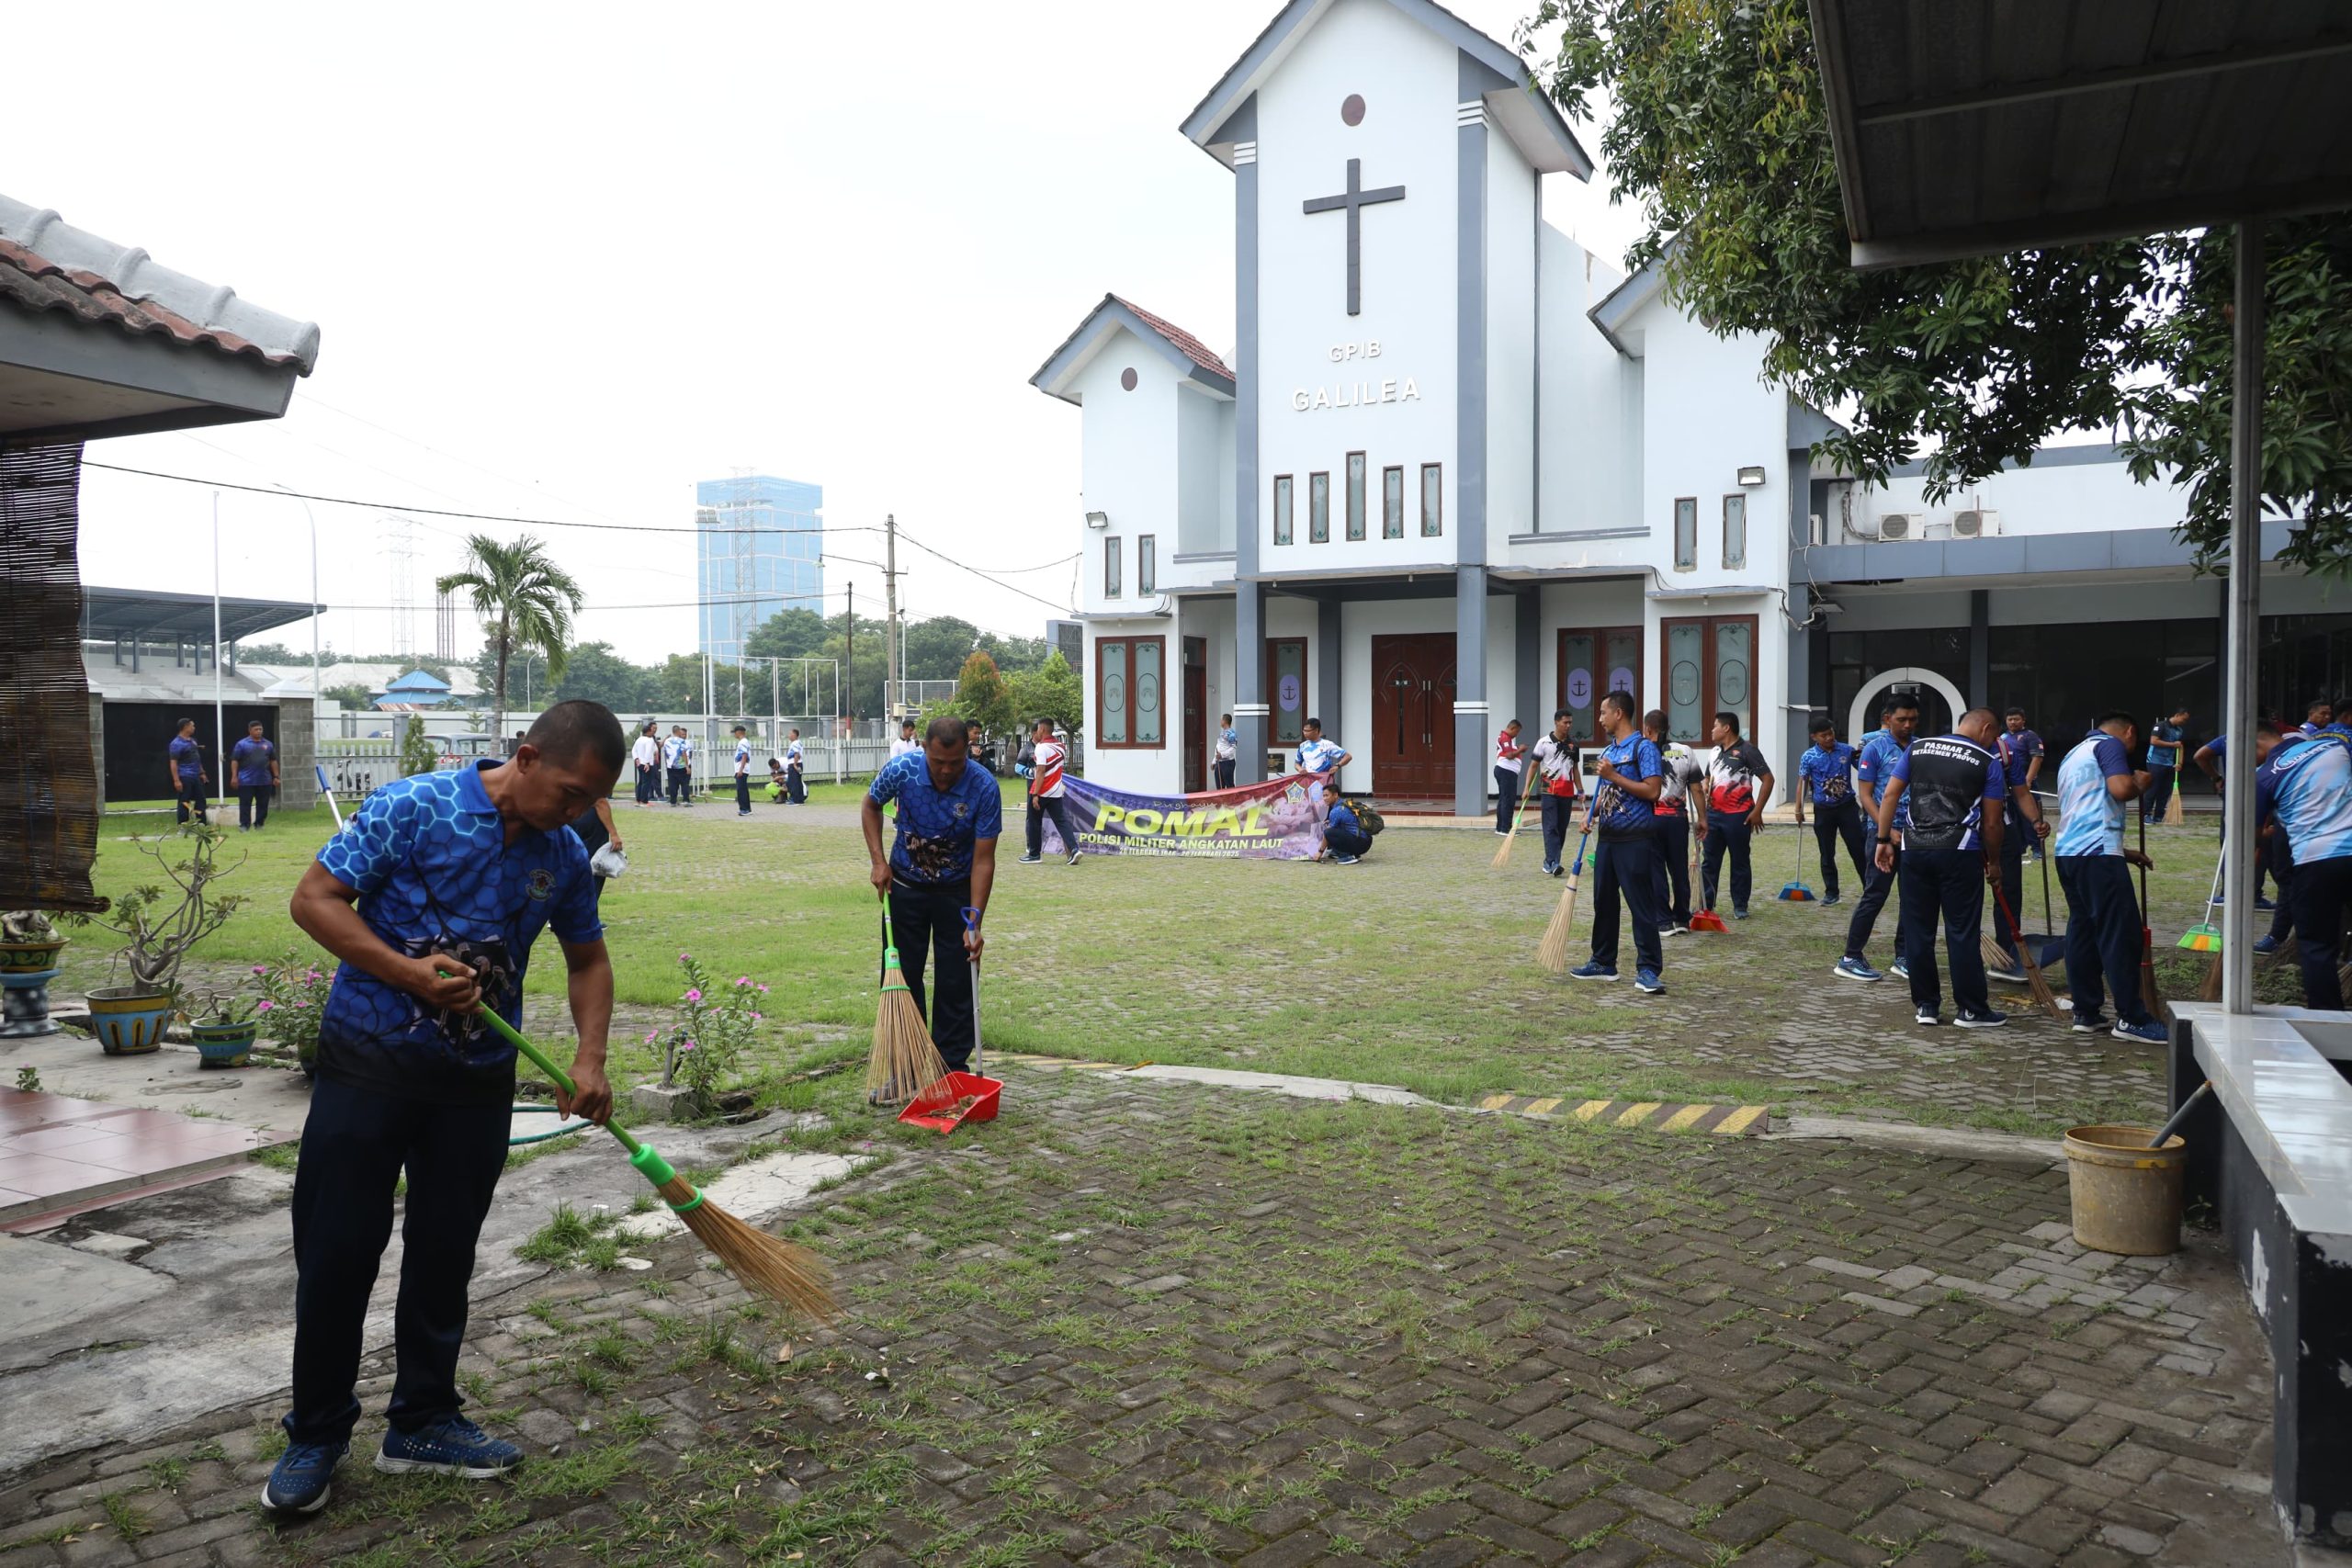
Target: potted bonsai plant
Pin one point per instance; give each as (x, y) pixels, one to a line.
(225, 1027)
(159, 924)
(28, 944)
(293, 999)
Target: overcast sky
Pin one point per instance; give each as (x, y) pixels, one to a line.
(565, 270)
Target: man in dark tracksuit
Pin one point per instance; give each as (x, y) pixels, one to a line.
(432, 898)
(1881, 749)
(942, 863)
(1952, 848)
(1624, 820)
(1826, 781)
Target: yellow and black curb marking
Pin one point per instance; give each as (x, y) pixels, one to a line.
(1654, 1115)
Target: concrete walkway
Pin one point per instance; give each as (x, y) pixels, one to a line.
(1137, 1320)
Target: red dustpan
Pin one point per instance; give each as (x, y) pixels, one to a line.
(954, 1100)
(959, 1097)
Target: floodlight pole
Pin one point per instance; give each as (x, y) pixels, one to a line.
(2244, 625)
(219, 725)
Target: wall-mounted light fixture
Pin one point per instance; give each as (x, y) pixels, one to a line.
(1103, 519)
(1751, 477)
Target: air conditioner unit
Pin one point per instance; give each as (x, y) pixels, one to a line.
(1820, 534)
(1898, 525)
(1975, 524)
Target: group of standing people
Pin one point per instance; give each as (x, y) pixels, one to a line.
(1941, 819)
(252, 760)
(2302, 782)
(664, 765)
(1931, 822)
(665, 768)
(1720, 802)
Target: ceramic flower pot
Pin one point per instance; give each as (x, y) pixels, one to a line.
(129, 1020)
(223, 1044)
(29, 957)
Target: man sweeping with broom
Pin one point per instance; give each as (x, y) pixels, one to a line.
(2103, 921)
(432, 898)
(941, 861)
(1625, 865)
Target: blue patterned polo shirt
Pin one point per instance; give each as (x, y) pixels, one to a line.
(429, 859)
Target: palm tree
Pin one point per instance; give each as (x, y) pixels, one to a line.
(527, 603)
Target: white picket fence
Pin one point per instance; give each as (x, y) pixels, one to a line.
(357, 766)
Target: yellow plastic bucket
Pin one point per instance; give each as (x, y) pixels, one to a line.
(2126, 1195)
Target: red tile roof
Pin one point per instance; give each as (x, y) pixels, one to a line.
(1192, 348)
(38, 284)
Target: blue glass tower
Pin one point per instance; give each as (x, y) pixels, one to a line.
(759, 549)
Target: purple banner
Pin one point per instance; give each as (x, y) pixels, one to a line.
(1280, 819)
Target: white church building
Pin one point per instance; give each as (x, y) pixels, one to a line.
(1458, 468)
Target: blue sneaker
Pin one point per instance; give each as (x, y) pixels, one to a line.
(453, 1446)
(1828, 900)
(2094, 1023)
(2012, 974)
(1855, 969)
(1591, 972)
(1739, 914)
(2266, 943)
(1991, 1018)
(2150, 1032)
(1646, 981)
(1899, 969)
(298, 1481)
(2265, 904)
(1344, 860)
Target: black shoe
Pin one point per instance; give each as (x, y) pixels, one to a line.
(299, 1482)
(1030, 860)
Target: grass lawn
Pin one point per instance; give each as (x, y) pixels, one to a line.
(1415, 968)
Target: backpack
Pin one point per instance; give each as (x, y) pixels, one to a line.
(1367, 818)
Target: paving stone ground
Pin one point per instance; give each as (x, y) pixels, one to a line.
(1135, 1323)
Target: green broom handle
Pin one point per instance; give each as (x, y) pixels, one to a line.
(562, 1078)
(891, 951)
(645, 1157)
(647, 1160)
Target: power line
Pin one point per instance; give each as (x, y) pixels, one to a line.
(472, 516)
(990, 577)
(976, 572)
(800, 601)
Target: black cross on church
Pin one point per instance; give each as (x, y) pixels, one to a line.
(1355, 200)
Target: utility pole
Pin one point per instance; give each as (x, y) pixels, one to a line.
(890, 592)
(852, 660)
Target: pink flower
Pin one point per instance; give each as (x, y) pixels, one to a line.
(649, 1036)
(742, 979)
(260, 968)
(763, 990)
(755, 1018)
(266, 1006)
(684, 958)
(688, 1045)
(693, 996)
(302, 1004)
(314, 975)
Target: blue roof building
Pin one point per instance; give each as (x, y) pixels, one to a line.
(418, 688)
